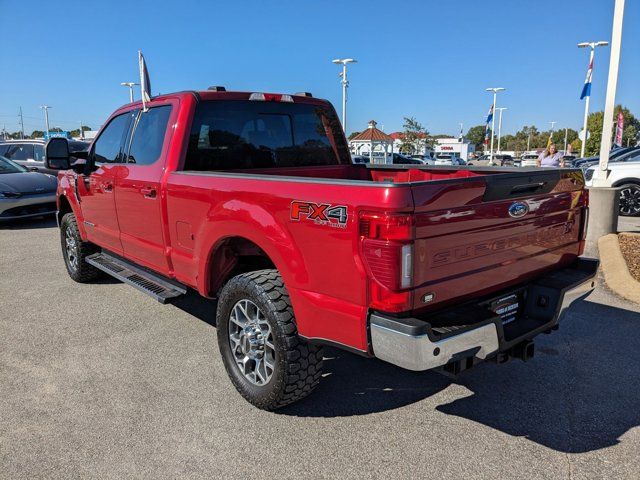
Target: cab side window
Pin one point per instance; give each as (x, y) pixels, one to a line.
(148, 137)
(107, 148)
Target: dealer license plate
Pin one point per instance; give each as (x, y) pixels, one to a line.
(507, 307)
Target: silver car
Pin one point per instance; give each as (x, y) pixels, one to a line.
(30, 153)
(24, 193)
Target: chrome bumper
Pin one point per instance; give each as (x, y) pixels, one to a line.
(413, 344)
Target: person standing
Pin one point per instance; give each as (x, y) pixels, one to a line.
(551, 157)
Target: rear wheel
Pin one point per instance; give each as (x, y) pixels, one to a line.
(74, 251)
(268, 363)
(630, 200)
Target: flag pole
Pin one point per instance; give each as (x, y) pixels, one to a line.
(144, 82)
(586, 111)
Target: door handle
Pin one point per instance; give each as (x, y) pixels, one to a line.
(107, 187)
(148, 192)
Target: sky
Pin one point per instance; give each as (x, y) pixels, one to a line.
(428, 59)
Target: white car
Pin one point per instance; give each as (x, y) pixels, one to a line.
(626, 175)
(529, 160)
(448, 159)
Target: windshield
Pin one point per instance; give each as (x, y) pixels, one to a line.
(7, 166)
(232, 134)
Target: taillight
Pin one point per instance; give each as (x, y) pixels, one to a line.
(387, 251)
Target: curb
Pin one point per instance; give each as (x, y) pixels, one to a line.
(614, 267)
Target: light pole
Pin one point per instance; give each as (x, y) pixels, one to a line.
(592, 46)
(46, 116)
(500, 127)
(603, 211)
(495, 91)
(345, 85)
(130, 85)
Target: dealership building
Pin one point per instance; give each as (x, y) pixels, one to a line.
(459, 145)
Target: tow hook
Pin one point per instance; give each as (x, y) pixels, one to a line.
(524, 351)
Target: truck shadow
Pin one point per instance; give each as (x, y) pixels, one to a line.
(580, 393)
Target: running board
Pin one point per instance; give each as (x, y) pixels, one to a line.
(162, 289)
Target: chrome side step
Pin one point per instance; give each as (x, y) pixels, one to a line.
(162, 289)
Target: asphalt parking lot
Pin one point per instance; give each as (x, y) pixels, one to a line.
(101, 381)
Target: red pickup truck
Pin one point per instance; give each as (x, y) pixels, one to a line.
(252, 199)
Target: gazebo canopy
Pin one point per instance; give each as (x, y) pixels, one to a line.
(373, 137)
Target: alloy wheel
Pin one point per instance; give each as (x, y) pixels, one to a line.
(630, 200)
(71, 248)
(251, 342)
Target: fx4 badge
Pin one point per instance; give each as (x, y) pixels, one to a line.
(320, 213)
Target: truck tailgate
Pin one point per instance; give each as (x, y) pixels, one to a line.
(482, 234)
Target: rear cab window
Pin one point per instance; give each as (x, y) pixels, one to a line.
(240, 134)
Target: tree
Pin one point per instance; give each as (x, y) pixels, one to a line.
(351, 135)
(594, 125)
(37, 134)
(475, 135)
(76, 132)
(415, 137)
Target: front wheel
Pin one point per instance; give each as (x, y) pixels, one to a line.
(74, 251)
(630, 200)
(268, 363)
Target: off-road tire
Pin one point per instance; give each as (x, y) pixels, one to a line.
(83, 272)
(298, 364)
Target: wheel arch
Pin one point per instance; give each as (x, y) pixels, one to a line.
(626, 181)
(233, 255)
(64, 207)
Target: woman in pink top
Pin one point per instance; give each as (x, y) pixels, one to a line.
(551, 157)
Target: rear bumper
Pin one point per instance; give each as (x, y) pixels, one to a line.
(473, 330)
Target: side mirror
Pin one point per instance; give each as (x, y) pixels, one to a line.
(56, 155)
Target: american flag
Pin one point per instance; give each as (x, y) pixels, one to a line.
(487, 128)
(586, 90)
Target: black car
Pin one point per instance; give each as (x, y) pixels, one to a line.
(614, 155)
(399, 159)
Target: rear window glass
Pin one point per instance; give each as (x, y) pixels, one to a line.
(231, 134)
(20, 151)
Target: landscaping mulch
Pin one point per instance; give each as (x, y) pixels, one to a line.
(630, 248)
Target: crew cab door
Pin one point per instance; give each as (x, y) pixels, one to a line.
(138, 195)
(96, 190)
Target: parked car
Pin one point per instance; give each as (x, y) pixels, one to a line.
(498, 160)
(614, 155)
(25, 193)
(301, 247)
(443, 158)
(359, 159)
(399, 159)
(30, 153)
(425, 159)
(625, 174)
(529, 160)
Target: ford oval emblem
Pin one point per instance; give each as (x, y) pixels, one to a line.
(518, 209)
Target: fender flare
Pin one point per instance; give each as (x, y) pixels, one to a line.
(254, 223)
